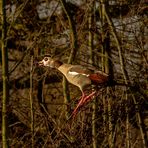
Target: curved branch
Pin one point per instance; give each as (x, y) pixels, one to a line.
(115, 35)
(73, 50)
(73, 32)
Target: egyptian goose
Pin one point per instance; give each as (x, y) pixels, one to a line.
(79, 76)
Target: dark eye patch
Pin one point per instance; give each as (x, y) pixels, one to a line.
(45, 59)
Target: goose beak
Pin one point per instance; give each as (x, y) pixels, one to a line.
(41, 63)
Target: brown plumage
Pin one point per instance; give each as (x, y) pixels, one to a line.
(79, 76)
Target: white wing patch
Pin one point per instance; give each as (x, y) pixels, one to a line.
(75, 73)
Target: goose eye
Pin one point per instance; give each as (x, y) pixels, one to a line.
(45, 59)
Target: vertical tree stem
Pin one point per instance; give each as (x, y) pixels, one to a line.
(31, 103)
(106, 66)
(5, 100)
(90, 43)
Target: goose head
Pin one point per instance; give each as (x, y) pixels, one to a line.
(50, 62)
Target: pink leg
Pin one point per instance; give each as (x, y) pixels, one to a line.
(87, 98)
(83, 100)
(79, 104)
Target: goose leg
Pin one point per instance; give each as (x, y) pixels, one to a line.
(88, 98)
(78, 105)
(84, 99)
